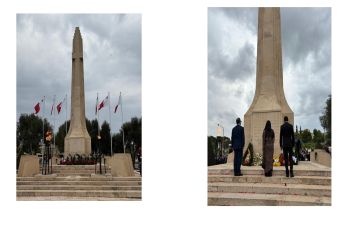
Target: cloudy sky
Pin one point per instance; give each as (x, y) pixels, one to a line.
(112, 63)
(232, 52)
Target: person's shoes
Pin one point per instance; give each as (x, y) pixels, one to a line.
(291, 173)
(287, 173)
(239, 174)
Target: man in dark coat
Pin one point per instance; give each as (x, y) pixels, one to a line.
(237, 143)
(287, 142)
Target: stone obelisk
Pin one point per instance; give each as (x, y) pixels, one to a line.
(269, 101)
(78, 139)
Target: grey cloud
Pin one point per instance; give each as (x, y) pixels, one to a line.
(241, 67)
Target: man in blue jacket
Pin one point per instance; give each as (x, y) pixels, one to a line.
(237, 142)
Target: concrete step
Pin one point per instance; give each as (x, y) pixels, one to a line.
(274, 179)
(64, 198)
(255, 170)
(78, 171)
(77, 187)
(242, 199)
(82, 193)
(55, 178)
(272, 188)
(62, 183)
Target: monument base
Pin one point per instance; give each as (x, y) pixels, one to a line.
(77, 145)
(259, 120)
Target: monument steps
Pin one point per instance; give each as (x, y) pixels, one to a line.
(271, 188)
(249, 199)
(111, 183)
(81, 193)
(311, 185)
(274, 179)
(77, 187)
(74, 178)
(78, 182)
(276, 172)
(64, 198)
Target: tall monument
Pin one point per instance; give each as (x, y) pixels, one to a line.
(269, 101)
(78, 139)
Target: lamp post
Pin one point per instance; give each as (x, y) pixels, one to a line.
(223, 137)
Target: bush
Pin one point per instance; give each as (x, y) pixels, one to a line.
(329, 143)
(318, 146)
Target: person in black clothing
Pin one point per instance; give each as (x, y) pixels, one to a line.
(297, 147)
(287, 143)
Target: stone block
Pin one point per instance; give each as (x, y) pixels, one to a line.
(322, 158)
(121, 165)
(230, 157)
(28, 166)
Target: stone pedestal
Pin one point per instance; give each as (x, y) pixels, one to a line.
(121, 165)
(28, 166)
(269, 101)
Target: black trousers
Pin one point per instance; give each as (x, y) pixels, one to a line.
(288, 151)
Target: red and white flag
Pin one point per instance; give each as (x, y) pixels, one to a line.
(96, 105)
(115, 110)
(53, 106)
(59, 106)
(104, 103)
(38, 106)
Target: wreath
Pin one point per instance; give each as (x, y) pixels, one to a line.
(248, 157)
(257, 159)
(69, 159)
(76, 159)
(276, 161)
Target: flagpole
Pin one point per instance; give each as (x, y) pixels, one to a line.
(110, 121)
(43, 133)
(54, 121)
(66, 114)
(121, 104)
(98, 118)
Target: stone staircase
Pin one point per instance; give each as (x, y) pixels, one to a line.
(311, 185)
(78, 182)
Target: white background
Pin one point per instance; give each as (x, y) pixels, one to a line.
(174, 114)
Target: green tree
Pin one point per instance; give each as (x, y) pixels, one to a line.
(318, 137)
(30, 132)
(117, 141)
(326, 117)
(211, 154)
(60, 135)
(306, 136)
(105, 134)
(296, 128)
(132, 136)
(212, 140)
(93, 132)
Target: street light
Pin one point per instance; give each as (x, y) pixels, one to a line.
(223, 137)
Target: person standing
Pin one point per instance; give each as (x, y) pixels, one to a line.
(287, 142)
(268, 138)
(297, 147)
(237, 143)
